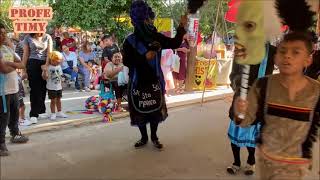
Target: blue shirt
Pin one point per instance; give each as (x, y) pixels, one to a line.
(87, 56)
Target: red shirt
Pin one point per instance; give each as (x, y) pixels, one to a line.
(68, 41)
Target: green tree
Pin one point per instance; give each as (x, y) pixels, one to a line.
(208, 16)
(92, 15)
(4, 13)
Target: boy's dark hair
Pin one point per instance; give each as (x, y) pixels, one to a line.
(305, 37)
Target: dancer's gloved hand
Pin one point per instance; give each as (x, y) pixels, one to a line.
(155, 46)
(150, 55)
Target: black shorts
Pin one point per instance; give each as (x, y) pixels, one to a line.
(21, 103)
(54, 94)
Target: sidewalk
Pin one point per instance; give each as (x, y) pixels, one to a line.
(73, 104)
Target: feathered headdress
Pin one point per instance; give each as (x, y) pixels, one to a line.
(194, 5)
(297, 14)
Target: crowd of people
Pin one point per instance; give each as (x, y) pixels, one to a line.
(277, 107)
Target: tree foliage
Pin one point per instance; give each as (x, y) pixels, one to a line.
(92, 15)
(105, 14)
(4, 13)
(208, 16)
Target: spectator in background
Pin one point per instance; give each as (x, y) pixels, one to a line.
(166, 66)
(313, 70)
(36, 50)
(69, 42)
(180, 77)
(54, 85)
(111, 72)
(108, 47)
(9, 103)
(57, 43)
(22, 120)
(70, 63)
(94, 75)
(85, 56)
(19, 46)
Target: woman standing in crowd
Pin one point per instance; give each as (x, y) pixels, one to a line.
(85, 56)
(180, 77)
(37, 47)
(142, 54)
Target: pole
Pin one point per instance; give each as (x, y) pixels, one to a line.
(318, 24)
(210, 56)
(191, 62)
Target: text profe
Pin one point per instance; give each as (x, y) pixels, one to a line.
(30, 13)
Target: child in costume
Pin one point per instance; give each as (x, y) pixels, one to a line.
(245, 137)
(287, 105)
(54, 85)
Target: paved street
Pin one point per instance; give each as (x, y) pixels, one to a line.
(196, 147)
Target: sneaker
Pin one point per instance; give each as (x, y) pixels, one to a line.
(87, 89)
(34, 120)
(157, 144)
(43, 116)
(249, 170)
(79, 90)
(140, 143)
(233, 169)
(25, 122)
(71, 82)
(3, 150)
(120, 109)
(61, 115)
(19, 139)
(53, 116)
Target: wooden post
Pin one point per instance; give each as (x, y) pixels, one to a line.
(190, 68)
(192, 55)
(318, 24)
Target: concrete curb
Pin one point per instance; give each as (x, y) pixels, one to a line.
(96, 119)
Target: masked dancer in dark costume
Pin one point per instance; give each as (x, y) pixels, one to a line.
(142, 54)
